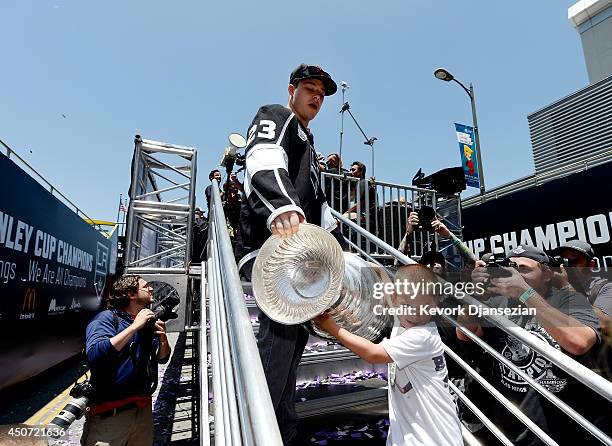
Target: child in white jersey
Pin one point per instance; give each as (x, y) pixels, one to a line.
(421, 408)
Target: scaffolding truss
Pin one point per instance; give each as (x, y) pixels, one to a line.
(160, 213)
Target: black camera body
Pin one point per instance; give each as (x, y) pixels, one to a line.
(240, 159)
(558, 261)
(495, 265)
(426, 215)
(82, 389)
(164, 310)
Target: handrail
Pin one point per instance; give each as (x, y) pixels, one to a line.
(480, 415)
(217, 375)
(251, 397)
(385, 208)
(202, 341)
(571, 413)
(501, 398)
(227, 371)
(574, 368)
(569, 365)
(52, 189)
(372, 238)
(583, 374)
(377, 182)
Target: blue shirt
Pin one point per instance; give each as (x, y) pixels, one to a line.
(112, 372)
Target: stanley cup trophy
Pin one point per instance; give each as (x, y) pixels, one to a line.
(299, 277)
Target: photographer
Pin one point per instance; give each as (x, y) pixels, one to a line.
(563, 318)
(598, 290)
(413, 223)
(124, 344)
(579, 257)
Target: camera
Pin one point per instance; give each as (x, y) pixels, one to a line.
(164, 308)
(240, 159)
(426, 215)
(80, 393)
(557, 261)
(495, 263)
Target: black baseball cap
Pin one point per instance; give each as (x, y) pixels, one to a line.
(579, 246)
(486, 257)
(529, 252)
(304, 71)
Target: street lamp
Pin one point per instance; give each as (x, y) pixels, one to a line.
(444, 75)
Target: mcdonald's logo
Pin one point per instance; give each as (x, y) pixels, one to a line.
(29, 301)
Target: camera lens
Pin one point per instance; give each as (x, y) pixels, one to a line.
(72, 411)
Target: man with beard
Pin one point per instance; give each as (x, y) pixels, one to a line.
(124, 344)
(564, 319)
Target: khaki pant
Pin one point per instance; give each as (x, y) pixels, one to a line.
(133, 427)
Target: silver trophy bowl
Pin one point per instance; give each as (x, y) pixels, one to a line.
(299, 277)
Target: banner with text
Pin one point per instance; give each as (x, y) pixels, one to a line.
(469, 159)
(576, 206)
(51, 261)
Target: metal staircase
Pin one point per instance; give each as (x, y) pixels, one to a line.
(234, 403)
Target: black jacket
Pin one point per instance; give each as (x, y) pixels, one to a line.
(282, 174)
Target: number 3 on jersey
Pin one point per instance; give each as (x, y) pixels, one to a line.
(267, 130)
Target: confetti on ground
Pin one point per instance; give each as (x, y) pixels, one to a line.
(352, 433)
(348, 378)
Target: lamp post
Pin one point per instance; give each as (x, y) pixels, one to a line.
(444, 75)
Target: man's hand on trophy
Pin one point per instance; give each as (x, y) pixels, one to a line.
(286, 224)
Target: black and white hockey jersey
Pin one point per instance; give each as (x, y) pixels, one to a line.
(282, 174)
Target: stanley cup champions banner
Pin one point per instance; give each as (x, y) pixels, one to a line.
(469, 159)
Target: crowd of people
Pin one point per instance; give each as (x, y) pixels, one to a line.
(282, 188)
(564, 318)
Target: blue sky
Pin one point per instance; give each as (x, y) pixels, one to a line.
(191, 72)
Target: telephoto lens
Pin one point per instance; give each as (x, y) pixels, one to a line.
(73, 410)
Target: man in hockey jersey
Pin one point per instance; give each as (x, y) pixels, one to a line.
(282, 189)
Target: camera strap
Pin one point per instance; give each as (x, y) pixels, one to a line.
(145, 364)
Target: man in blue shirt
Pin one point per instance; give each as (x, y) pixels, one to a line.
(124, 344)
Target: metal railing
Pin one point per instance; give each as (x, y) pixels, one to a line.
(596, 432)
(12, 155)
(581, 373)
(203, 366)
(243, 410)
(382, 209)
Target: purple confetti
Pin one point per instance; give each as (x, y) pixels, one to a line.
(350, 433)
